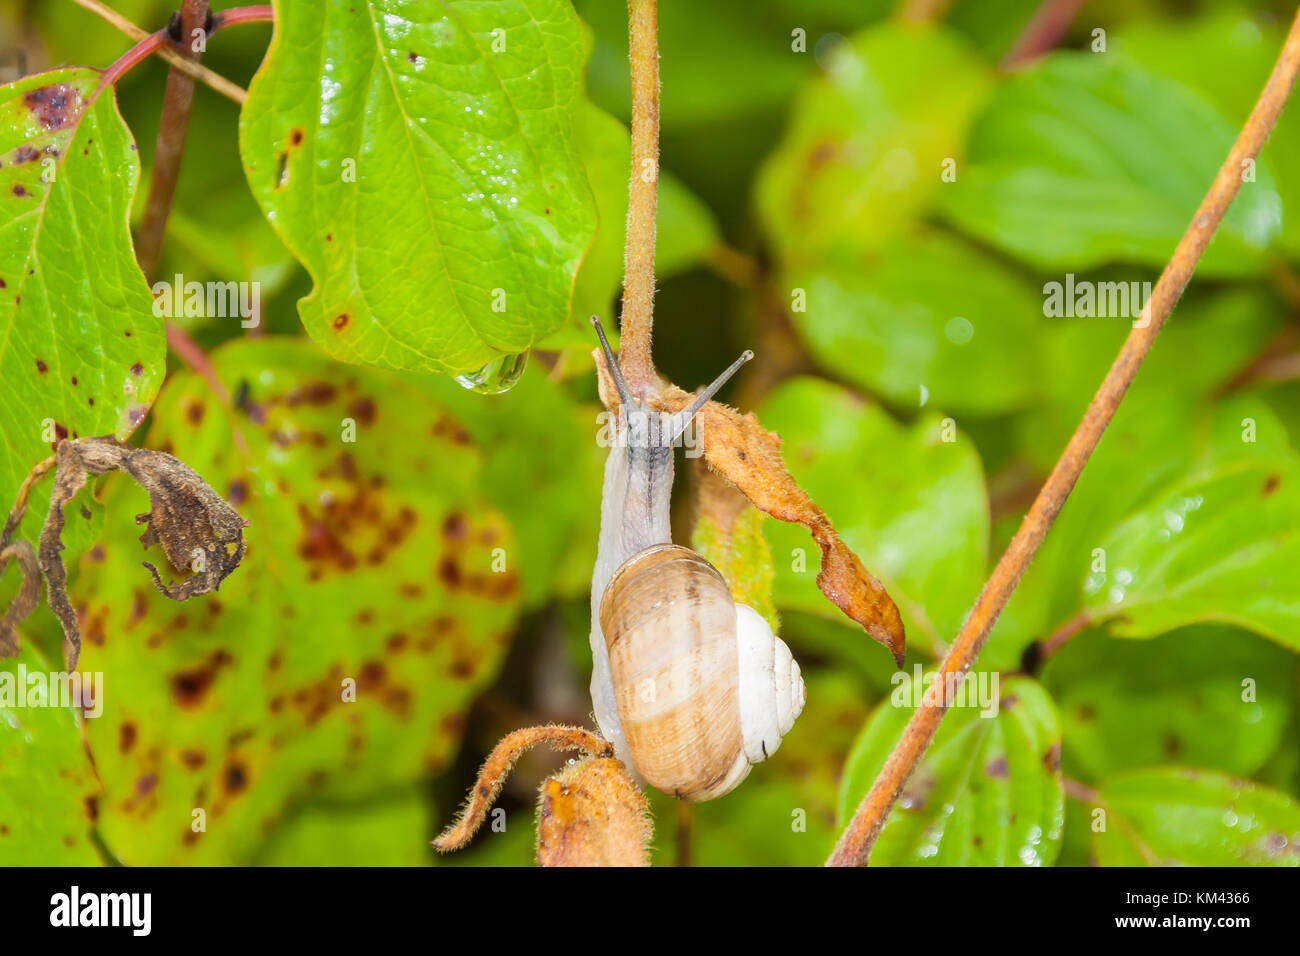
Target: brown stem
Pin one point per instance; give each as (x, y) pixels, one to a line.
(634, 356)
(923, 11)
(1071, 628)
(685, 832)
(497, 767)
(855, 843)
(201, 73)
(1043, 32)
(172, 131)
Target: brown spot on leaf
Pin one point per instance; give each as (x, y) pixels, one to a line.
(19, 191)
(341, 320)
(363, 410)
(997, 768)
(41, 366)
(1270, 484)
(194, 412)
(311, 393)
(193, 759)
(126, 735)
(54, 106)
(190, 686)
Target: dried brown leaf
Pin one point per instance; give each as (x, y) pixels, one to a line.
(24, 602)
(195, 527)
(593, 814)
(749, 456)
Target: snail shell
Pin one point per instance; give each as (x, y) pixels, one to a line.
(703, 688)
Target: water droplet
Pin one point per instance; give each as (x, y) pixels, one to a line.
(497, 376)
(959, 330)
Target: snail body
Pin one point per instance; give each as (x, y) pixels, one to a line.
(691, 687)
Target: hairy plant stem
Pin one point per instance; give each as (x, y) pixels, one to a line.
(855, 843)
(634, 356)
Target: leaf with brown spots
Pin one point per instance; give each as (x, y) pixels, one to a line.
(749, 456)
(355, 630)
(81, 351)
(48, 791)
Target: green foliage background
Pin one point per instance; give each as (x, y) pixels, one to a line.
(441, 559)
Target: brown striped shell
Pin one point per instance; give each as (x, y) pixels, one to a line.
(676, 645)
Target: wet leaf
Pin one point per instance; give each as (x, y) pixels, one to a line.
(592, 814)
(1206, 696)
(1224, 54)
(430, 182)
(916, 509)
(1120, 155)
(988, 791)
(931, 319)
(340, 660)
(1220, 546)
(48, 791)
(1188, 818)
(81, 352)
(867, 140)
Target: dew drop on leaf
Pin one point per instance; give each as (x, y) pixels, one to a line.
(497, 376)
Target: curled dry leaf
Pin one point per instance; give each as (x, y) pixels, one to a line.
(24, 602)
(749, 457)
(198, 531)
(497, 767)
(592, 814)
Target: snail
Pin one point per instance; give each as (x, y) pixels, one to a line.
(690, 687)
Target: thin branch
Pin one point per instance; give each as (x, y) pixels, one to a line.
(1043, 32)
(1071, 628)
(149, 44)
(172, 130)
(923, 11)
(216, 81)
(855, 844)
(634, 356)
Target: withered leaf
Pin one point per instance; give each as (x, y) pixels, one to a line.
(24, 602)
(198, 531)
(592, 814)
(749, 456)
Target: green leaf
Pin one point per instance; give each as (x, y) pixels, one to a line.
(421, 162)
(865, 148)
(1115, 524)
(537, 447)
(1208, 696)
(47, 786)
(931, 319)
(392, 832)
(916, 511)
(988, 791)
(1120, 156)
(1225, 53)
(1183, 817)
(81, 351)
(1222, 546)
(370, 560)
(742, 554)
